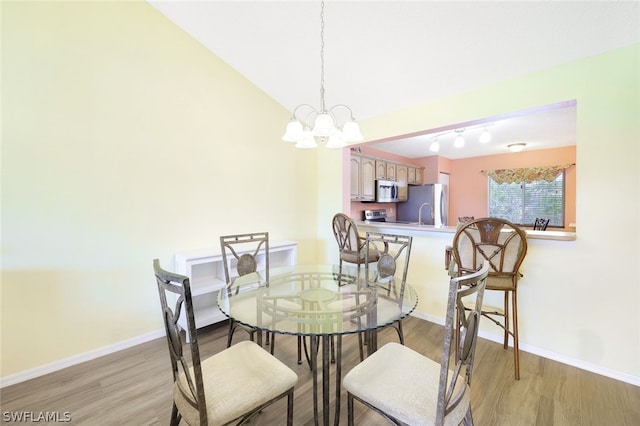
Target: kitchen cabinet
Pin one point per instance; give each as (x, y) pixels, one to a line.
(205, 270)
(415, 176)
(385, 170)
(355, 165)
(391, 171)
(402, 179)
(363, 178)
(366, 169)
(419, 176)
(381, 169)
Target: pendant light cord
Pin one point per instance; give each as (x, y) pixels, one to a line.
(322, 106)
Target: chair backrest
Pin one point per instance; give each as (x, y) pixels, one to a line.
(175, 301)
(393, 252)
(346, 233)
(465, 219)
(455, 379)
(496, 240)
(540, 224)
(240, 254)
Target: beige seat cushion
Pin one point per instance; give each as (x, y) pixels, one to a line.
(500, 283)
(358, 257)
(237, 380)
(403, 384)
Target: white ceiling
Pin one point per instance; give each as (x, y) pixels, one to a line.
(383, 56)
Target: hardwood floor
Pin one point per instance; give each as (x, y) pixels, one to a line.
(133, 387)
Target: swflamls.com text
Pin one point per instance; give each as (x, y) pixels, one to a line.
(36, 416)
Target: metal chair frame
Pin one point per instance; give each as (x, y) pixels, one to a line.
(490, 239)
(388, 249)
(246, 263)
(540, 224)
(350, 242)
(183, 342)
(457, 358)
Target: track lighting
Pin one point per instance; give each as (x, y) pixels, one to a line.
(459, 142)
(516, 147)
(485, 136)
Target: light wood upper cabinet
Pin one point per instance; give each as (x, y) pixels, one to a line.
(415, 176)
(356, 176)
(401, 178)
(368, 168)
(419, 176)
(385, 170)
(391, 171)
(363, 178)
(381, 169)
(365, 170)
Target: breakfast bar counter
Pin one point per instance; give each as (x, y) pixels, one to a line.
(415, 229)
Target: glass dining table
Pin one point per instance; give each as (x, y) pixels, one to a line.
(321, 303)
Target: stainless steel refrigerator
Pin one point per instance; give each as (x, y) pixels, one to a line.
(434, 198)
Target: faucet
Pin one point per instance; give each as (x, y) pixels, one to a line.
(420, 212)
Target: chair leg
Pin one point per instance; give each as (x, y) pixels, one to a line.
(273, 342)
(349, 409)
(175, 416)
(230, 333)
(290, 408)
(505, 344)
(516, 344)
(400, 332)
(468, 418)
(300, 350)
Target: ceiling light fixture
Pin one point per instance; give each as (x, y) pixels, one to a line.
(459, 142)
(304, 133)
(435, 146)
(485, 136)
(516, 147)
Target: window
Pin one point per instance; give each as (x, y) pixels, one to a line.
(522, 202)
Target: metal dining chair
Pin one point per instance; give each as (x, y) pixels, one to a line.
(389, 273)
(408, 388)
(350, 243)
(504, 246)
(540, 224)
(215, 391)
(240, 257)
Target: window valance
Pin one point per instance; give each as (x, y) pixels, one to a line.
(526, 174)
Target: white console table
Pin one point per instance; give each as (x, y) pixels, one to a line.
(205, 270)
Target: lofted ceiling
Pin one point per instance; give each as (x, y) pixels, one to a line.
(384, 56)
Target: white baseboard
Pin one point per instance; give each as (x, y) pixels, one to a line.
(87, 356)
(78, 359)
(578, 363)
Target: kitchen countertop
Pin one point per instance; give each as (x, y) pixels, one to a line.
(535, 235)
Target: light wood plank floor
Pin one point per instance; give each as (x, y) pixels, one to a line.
(133, 387)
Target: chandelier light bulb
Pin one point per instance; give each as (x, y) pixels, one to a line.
(351, 132)
(459, 142)
(435, 146)
(307, 140)
(336, 140)
(294, 131)
(324, 126)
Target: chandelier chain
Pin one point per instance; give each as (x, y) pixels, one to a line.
(322, 106)
(321, 125)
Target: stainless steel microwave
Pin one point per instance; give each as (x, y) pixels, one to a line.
(386, 191)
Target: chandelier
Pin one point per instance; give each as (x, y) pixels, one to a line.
(308, 124)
